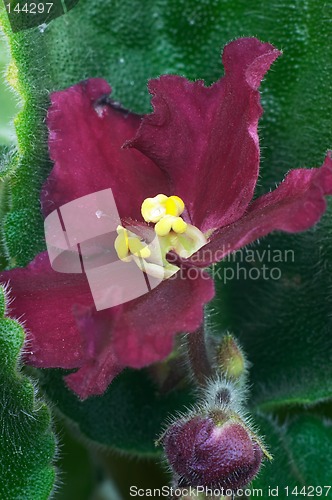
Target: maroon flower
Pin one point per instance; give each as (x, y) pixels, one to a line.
(200, 144)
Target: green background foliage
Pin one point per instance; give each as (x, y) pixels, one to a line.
(27, 442)
(130, 413)
(302, 456)
(285, 324)
(7, 101)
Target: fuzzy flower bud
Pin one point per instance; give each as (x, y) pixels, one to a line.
(216, 450)
(230, 358)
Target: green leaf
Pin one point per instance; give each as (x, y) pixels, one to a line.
(285, 324)
(27, 442)
(4, 202)
(302, 457)
(76, 465)
(129, 416)
(7, 101)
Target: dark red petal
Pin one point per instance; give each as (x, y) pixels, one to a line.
(139, 332)
(206, 139)
(66, 331)
(100, 366)
(145, 332)
(85, 142)
(43, 299)
(296, 205)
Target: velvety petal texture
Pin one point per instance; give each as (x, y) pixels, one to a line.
(87, 132)
(65, 330)
(144, 334)
(206, 138)
(100, 365)
(139, 332)
(296, 205)
(44, 300)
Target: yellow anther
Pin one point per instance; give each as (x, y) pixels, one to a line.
(172, 233)
(128, 244)
(160, 198)
(179, 226)
(174, 206)
(153, 209)
(164, 226)
(121, 243)
(138, 248)
(169, 222)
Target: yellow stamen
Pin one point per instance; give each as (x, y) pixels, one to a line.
(138, 248)
(168, 223)
(174, 206)
(172, 233)
(179, 226)
(164, 226)
(153, 209)
(128, 244)
(121, 243)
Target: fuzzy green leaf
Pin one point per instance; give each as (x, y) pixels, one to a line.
(7, 102)
(302, 457)
(285, 324)
(129, 416)
(27, 442)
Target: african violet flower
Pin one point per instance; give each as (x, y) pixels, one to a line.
(200, 150)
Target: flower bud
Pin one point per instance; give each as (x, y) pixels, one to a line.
(215, 450)
(230, 358)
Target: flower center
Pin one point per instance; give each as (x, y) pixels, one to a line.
(171, 233)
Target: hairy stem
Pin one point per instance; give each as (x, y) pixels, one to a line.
(198, 356)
